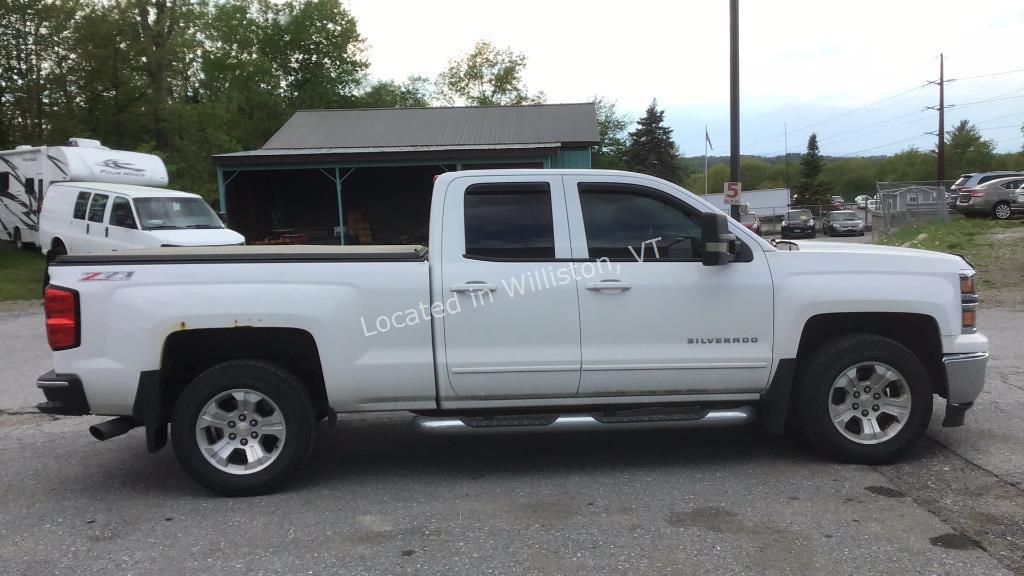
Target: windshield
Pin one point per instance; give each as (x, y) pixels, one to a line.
(798, 215)
(844, 216)
(175, 213)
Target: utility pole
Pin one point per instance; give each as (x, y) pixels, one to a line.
(785, 135)
(734, 97)
(941, 148)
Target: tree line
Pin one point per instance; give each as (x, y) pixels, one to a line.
(187, 79)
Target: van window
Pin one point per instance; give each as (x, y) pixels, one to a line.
(121, 213)
(97, 207)
(81, 205)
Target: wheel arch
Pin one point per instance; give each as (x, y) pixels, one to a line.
(188, 353)
(917, 332)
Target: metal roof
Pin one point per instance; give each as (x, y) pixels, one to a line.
(457, 127)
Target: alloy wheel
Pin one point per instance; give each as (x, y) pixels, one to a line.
(869, 402)
(240, 431)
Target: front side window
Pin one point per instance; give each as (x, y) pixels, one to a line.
(634, 222)
(81, 205)
(121, 213)
(509, 221)
(97, 207)
(167, 213)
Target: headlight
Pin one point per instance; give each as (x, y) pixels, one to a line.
(810, 222)
(785, 224)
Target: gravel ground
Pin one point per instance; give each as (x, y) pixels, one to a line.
(377, 498)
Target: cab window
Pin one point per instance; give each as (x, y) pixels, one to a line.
(121, 213)
(628, 222)
(97, 207)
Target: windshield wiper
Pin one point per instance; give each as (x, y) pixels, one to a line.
(209, 226)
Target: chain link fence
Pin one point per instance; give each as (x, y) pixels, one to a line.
(902, 204)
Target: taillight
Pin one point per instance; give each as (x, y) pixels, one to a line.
(62, 328)
(975, 193)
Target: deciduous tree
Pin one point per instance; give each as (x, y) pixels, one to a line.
(487, 76)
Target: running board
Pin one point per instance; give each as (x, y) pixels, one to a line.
(453, 425)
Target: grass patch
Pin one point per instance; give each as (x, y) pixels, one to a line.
(994, 247)
(969, 237)
(21, 273)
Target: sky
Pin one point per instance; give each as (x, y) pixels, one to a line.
(805, 65)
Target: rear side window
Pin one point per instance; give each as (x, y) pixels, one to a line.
(81, 205)
(97, 207)
(511, 221)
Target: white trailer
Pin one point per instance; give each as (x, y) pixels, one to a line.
(761, 202)
(27, 172)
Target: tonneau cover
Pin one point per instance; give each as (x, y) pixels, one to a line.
(233, 254)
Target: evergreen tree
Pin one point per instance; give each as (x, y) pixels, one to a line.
(812, 188)
(651, 150)
(967, 150)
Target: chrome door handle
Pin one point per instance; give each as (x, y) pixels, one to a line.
(609, 285)
(473, 287)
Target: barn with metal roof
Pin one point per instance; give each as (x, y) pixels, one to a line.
(365, 176)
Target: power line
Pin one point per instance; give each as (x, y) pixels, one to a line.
(847, 113)
(1003, 73)
(918, 137)
(831, 139)
(1003, 96)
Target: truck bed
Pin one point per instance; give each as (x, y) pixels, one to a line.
(230, 254)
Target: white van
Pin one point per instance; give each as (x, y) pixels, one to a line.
(81, 217)
(27, 172)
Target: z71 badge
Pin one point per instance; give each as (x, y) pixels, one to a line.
(105, 276)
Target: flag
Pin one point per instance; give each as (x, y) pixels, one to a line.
(707, 138)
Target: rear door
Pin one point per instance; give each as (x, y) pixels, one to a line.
(511, 320)
(655, 320)
(96, 232)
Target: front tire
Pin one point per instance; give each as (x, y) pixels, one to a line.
(862, 398)
(243, 427)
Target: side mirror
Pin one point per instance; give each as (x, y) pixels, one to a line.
(719, 243)
(223, 217)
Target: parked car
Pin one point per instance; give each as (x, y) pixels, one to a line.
(842, 223)
(242, 350)
(798, 223)
(82, 217)
(996, 198)
(838, 203)
(862, 201)
(751, 222)
(974, 179)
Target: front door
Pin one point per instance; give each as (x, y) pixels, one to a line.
(655, 320)
(511, 320)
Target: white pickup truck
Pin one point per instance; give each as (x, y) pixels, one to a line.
(548, 300)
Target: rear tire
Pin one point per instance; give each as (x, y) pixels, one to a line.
(1002, 211)
(862, 398)
(215, 437)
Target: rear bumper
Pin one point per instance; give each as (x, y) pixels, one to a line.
(965, 376)
(64, 394)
